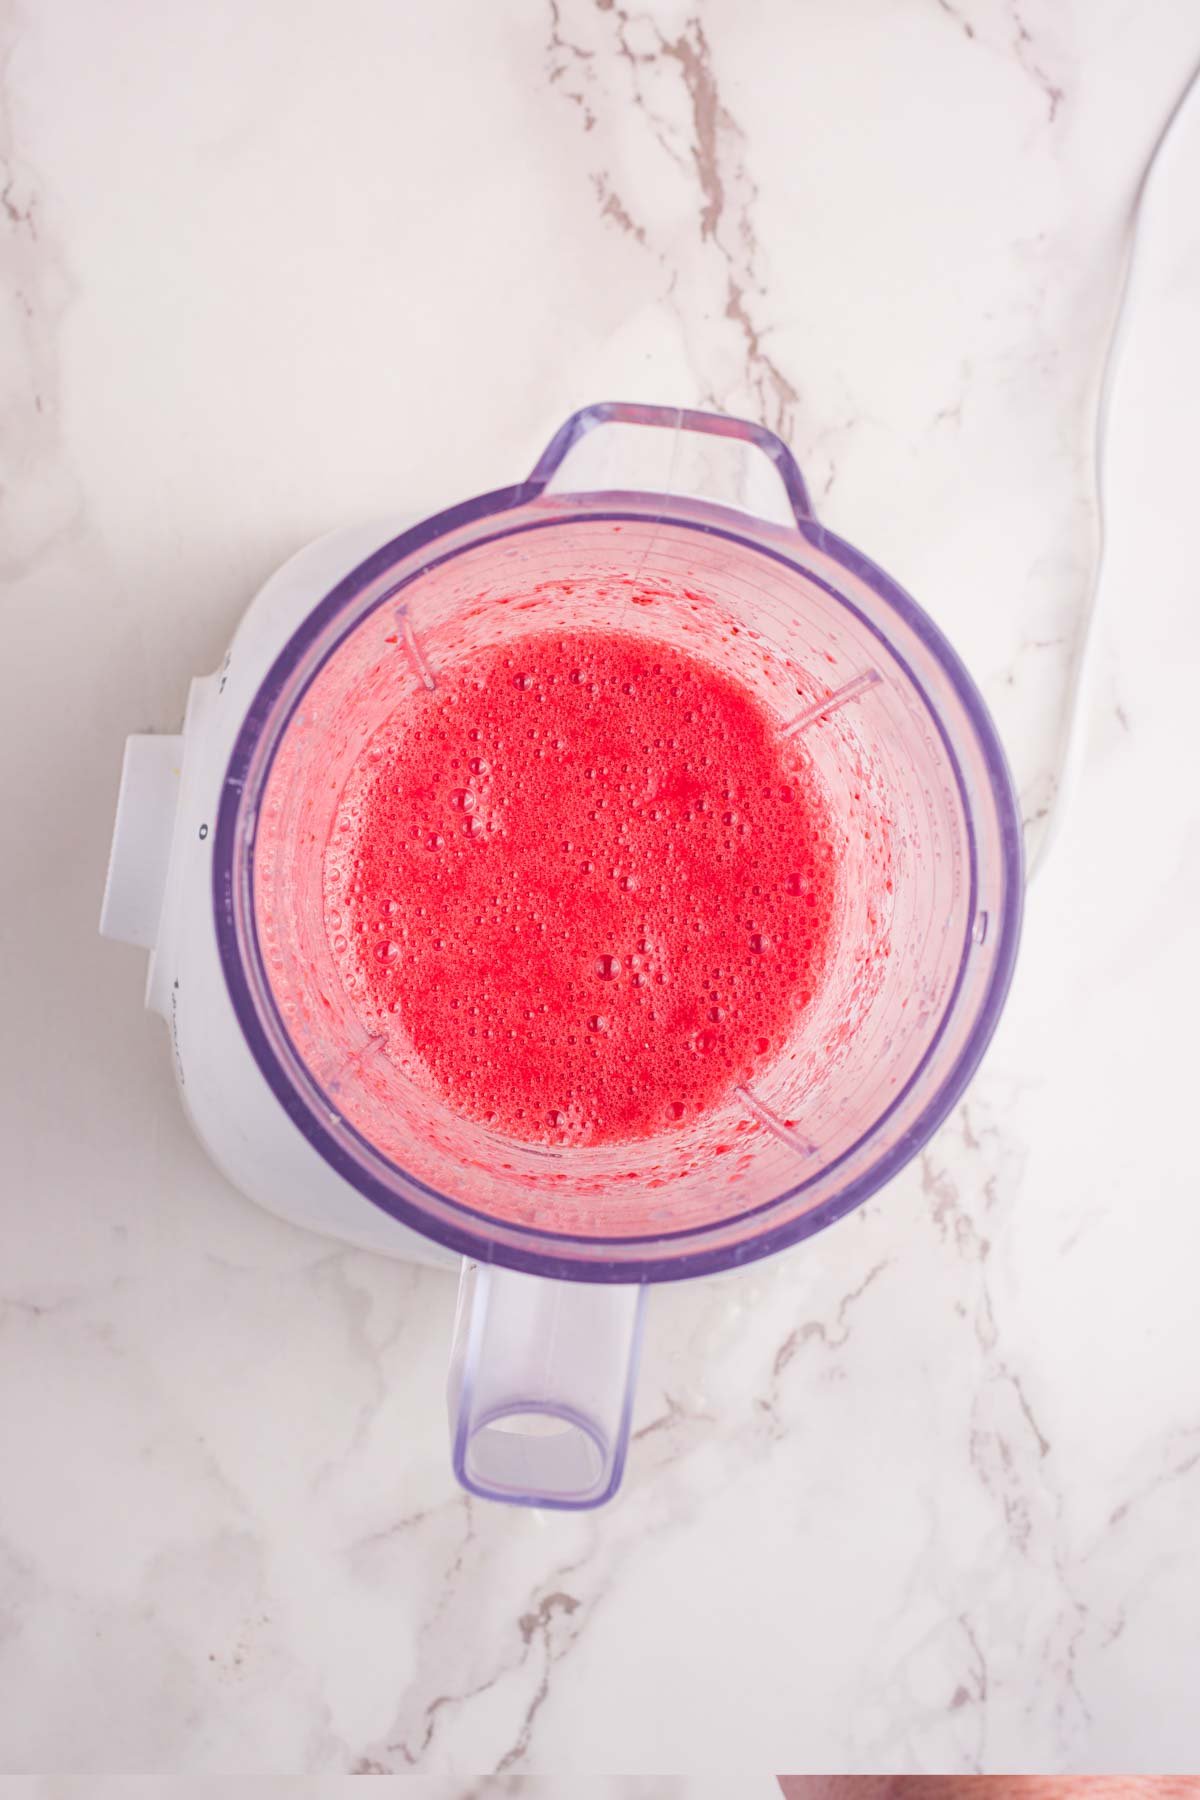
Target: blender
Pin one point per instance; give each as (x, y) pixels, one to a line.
(216, 869)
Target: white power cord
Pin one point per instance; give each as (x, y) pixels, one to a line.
(1123, 310)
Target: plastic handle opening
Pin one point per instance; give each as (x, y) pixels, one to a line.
(541, 1387)
(701, 455)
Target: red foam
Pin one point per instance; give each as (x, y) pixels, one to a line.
(588, 883)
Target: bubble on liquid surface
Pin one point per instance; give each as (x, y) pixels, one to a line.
(607, 967)
(463, 800)
(388, 951)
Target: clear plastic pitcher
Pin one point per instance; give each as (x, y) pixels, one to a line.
(712, 517)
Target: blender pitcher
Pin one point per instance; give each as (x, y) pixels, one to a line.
(710, 517)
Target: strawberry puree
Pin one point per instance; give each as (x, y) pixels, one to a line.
(587, 883)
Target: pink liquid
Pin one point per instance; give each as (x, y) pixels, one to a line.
(589, 885)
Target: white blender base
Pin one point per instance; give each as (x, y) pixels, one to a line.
(159, 897)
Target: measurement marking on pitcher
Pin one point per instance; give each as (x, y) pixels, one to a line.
(781, 1128)
(356, 1062)
(820, 709)
(547, 1151)
(414, 649)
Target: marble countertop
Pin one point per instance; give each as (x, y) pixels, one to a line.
(922, 1495)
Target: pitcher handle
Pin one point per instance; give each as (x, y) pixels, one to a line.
(595, 450)
(541, 1386)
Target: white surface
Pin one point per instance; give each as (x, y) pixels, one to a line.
(147, 803)
(923, 1495)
